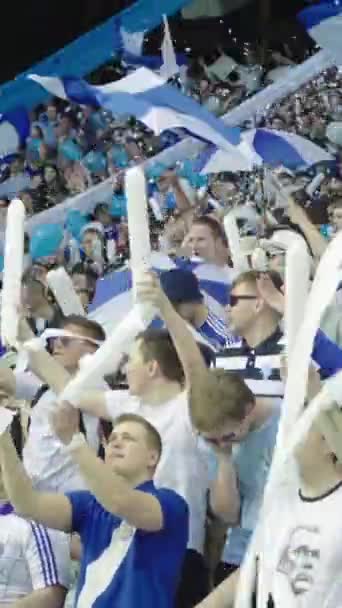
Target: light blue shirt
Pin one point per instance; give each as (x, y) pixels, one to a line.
(252, 460)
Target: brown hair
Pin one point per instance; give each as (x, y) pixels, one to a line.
(156, 344)
(250, 277)
(93, 329)
(153, 437)
(225, 396)
(213, 225)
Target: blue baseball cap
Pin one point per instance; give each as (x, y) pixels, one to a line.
(181, 286)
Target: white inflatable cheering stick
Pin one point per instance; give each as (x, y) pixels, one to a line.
(62, 288)
(297, 283)
(293, 426)
(138, 225)
(239, 259)
(108, 357)
(13, 269)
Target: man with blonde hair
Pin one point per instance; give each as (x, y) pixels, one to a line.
(133, 534)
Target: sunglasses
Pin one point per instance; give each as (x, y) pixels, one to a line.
(65, 338)
(234, 300)
(80, 291)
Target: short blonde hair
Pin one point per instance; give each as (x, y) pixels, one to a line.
(224, 396)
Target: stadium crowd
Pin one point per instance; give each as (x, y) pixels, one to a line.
(146, 490)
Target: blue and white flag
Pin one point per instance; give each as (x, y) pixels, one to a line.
(14, 129)
(270, 147)
(323, 22)
(146, 96)
(170, 65)
(114, 298)
(130, 47)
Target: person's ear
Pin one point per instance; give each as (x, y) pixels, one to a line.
(152, 368)
(153, 458)
(259, 304)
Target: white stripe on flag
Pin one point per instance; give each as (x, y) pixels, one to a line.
(52, 85)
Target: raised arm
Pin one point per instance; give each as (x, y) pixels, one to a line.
(224, 492)
(43, 364)
(50, 597)
(51, 510)
(138, 508)
(56, 377)
(316, 241)
(195, 370)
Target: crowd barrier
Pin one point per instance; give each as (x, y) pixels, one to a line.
(248, 109)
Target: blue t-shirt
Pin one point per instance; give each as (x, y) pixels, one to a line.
(124, 567)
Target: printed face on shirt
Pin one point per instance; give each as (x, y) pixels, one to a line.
(128, 451)
(68, 351)
(242, 310)
(300, 559)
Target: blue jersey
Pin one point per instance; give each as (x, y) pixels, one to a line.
(216, 332)
(125, 567)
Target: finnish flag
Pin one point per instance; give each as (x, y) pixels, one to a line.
(14, 129)
(113, 298)
(146, 96)
(323, 22)
(270, 147)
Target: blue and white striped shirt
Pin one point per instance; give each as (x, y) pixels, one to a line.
(216, 332)
(31, 557)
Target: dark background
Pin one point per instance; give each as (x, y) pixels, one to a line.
(30, 30)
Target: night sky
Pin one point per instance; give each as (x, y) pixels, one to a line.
(34, 29)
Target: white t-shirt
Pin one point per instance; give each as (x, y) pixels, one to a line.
(46, 461)
(309, 553)
(31, 558)
(183, 466)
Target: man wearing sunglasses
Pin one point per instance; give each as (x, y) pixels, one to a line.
(44, 458)
(257, 356)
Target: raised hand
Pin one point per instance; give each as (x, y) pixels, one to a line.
(65, 422)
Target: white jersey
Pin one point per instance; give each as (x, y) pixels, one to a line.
(309, 553)
(183, 466)
(46, 460)
(31, 557)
